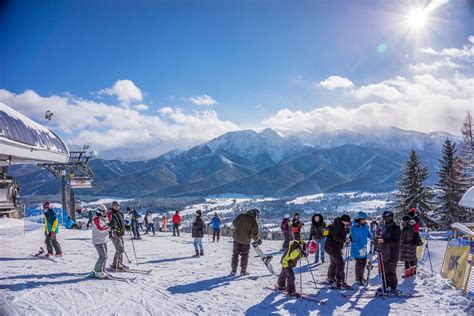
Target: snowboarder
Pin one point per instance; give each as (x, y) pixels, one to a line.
(176, 219)
(336, 240)
(409, 240)
(286, 279)
(216, 227)
(245, 229)
(296, 226)
(89, 218)
(116, 232)
(134, 215)
(389, 244)
(285, 230)
(198, 234)
(100, 235)
(360, 234)
(51, 228)
(316, 233)
(150, 226)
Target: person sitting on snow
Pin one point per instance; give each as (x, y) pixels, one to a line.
(360, 234)
(100, 236)
(51, 228)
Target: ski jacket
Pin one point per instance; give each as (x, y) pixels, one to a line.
(149, 219)
(316, 231)
(285, 226)
(134, 215)
(246, 228)
(198, 228)
(360, 234)
(176, 219)
(216, 222)
(391, 242)
(295, 251)
(409, 240)
(296, 225)
(100, 230)
(336, 236)
(117, 222)
(68, 223)
(51, 222)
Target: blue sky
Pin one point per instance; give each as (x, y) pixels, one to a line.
(253, 58)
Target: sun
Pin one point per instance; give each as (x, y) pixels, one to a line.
(417, 18)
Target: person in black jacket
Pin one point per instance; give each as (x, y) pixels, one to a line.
(337, 237)
(297, 226)
(198, 234)
(408, 242)
(316, 234)
(389, 244)
(117, 230)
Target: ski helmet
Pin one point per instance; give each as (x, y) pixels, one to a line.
(286, 215)
(362, 215)
(312, 246)
(101, 210)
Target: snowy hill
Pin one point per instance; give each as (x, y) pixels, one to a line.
(181, 285)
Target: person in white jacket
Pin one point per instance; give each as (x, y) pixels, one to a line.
(100, 235)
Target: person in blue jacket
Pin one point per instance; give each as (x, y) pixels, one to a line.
(216, 227)
(360, 234)
(51, 228)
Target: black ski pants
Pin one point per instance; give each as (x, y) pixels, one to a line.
(336, 266)
(391, 274)
(175, 229)
(287, 279)
(360, 264)
(243, 251)
(216, 232)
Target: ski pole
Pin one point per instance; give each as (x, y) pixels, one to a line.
(301, 279)
(312, 275)
(347, 264)
(133, 246)
(129, 261)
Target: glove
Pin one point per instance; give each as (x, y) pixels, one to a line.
(258, 242)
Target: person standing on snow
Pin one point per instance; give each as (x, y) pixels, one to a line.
(296, 226)
(89, 218)
(134, 215)
(216, 227)
(360, 235)
(286, 279)
(150, 226)
(198, 233)
(389, 244)
(100, 235)
(51, 228)
(409, 240)
(316, 233)
(165, 224)
(176, 219)
(335, 241)
(245, 229)
(116, 232)
(285, 230)
(412, 214)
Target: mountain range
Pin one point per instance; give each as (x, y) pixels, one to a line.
(258, 163)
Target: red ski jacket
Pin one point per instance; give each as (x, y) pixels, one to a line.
(176, 219)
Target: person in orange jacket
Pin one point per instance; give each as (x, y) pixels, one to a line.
(165, 224)
(176, 222)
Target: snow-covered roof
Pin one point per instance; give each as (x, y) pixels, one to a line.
(467, 199)
(463, 227)
(22, 139)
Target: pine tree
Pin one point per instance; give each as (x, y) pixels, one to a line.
(451, 186)
(467, 150)
(411, 191)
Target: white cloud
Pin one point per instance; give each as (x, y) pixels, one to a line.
(465, 52)
(125, 91)
(334, 82)
(141, 107)
(380, 90)
(435, 66)
(203, 100)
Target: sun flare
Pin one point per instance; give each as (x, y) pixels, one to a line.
(417, 18)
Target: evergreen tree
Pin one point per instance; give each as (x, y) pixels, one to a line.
(412, 193)
(451, 186)
(467, 151)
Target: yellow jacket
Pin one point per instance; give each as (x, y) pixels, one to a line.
(293, 254)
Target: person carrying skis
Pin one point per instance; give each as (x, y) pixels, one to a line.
(296, 226)
(51, 228)
(116, 232)
(335, 241)
(176, 219)
(316, 234)
(285, 230)
(198, 233)
(360, 234)
(100, 235)
(286, 279)
(245, 229)
(216, 227)
(150, 226)
(409, 240)
(389, 244)
(89, 218)
(134, 215)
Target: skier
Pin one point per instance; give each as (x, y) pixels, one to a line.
(412, 214)
(216, 227)
(286, 279)
(198, 234)
(296, 226)
(176, 219)
(360, 234)
(134, 215)
(316, 234)
(409, 240)
(246, 229)
(150, 225)
(100, 234)
(389, 244)
(89, 218)
(336, 239)
(116, 232)
(51, 228)
(285, 230)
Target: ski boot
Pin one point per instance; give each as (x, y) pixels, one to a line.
(59, 255)
(279, 288)
(196, 255)
(99, 275)
(233, 273)
(244, 273)
(395, 292)
(381, 292)
(201, 253)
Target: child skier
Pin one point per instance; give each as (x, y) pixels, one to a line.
(285, 230)
(100, 235)
(360, 234)
(409, 240)
(198, 234)
(51, 228)
(316, 233)
(296, 226)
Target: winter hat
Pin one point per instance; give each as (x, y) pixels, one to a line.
(296, 214)
(345, 218)
(46, 204)
(407, 218)
(387, 215)
(412, 211)
(286, 215)
(362, 215)
(199, 212)
(101, 209)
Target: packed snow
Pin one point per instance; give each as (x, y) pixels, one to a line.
(183, 285)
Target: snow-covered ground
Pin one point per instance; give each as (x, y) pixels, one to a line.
(182, 285)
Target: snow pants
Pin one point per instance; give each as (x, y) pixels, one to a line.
(243, 251)
(216, 232)
(360, 264)
(102, 260)
(391, 274)
(176, 230)
(198, 244)
(286, 243)
(52, 244)
(119, 248)
(336, 267)
(286, 279)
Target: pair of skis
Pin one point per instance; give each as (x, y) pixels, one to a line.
(311, 298)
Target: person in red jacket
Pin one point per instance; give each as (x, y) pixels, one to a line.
(176, 222)
(416, 226)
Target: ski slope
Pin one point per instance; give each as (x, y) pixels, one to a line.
(182, 285)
